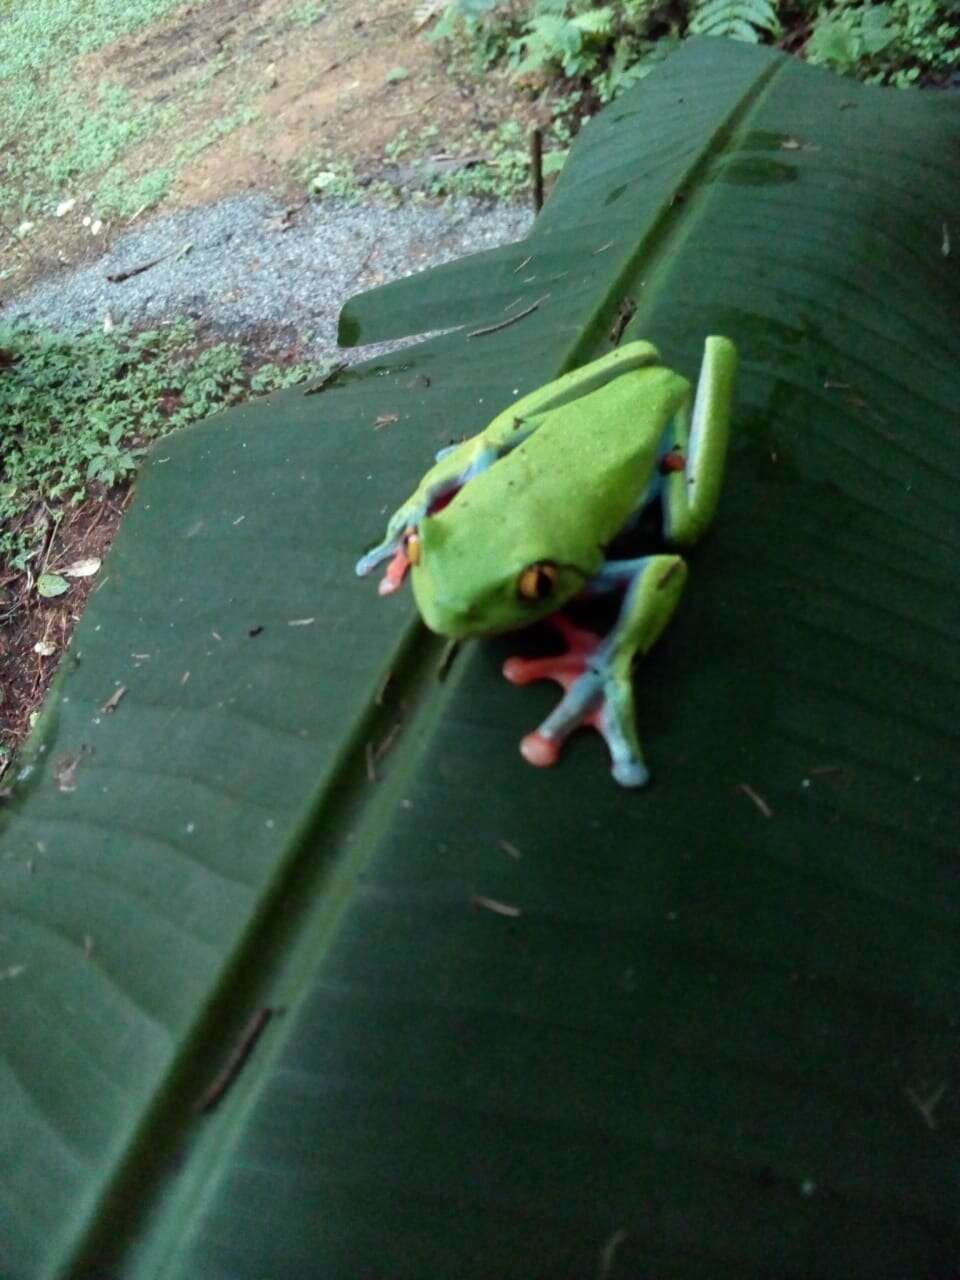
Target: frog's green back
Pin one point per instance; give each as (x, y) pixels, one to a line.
(561, 496)
(570, 488)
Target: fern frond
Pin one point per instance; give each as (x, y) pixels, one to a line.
(547, 39)
(595, 22)
(551, 29)
(739, 19)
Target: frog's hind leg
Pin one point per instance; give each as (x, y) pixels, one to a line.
(693, 471)
(595, 673)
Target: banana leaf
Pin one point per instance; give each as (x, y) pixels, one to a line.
(304, 972)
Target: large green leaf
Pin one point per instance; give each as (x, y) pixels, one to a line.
(716, 1036)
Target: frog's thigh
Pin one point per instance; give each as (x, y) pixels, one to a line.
(655, 584)
(653, 587)
(691, 494)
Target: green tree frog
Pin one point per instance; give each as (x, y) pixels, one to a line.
(512, 524)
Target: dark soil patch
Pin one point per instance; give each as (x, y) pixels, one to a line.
(30, 626)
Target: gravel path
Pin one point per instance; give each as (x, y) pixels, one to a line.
(243, 275)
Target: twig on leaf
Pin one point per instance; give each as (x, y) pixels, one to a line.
(492, 328)
(238, 1056)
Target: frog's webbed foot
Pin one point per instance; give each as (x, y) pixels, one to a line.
(598, 694)
(596, 674)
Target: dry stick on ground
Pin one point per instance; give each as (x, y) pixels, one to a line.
(536, 168)
(366, 261)
(25, 672)
(414, 111)
(119, 276)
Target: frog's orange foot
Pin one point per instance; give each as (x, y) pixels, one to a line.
(396, 571)
(544, 750)
(536, 748)
(543, 746)
(592, 698)
(565, 667)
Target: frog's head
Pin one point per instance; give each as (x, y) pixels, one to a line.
(479, 577)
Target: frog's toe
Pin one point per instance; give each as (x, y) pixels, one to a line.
(517, 670)
(536, 748)
(529, 670)
(396, 571)
(615, 723)
(630, 773)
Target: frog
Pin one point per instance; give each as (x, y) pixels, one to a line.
(512, 525)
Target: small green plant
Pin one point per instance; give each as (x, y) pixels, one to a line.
(275, 377)
(480, 28)
(78, 411)
(747, 20)
(59, 141)
(896, 43)
(495, 163)
(604, 48)
(305, 15)
(54, 137)
(331, 178)
(502, 174)
(118, 193)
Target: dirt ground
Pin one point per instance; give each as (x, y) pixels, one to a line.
(322, 92)
(34, 633)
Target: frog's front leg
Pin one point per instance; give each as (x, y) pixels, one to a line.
(454, 467)
(596, 674)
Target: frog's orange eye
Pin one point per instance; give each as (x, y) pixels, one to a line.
(413, 547)
(537, 581)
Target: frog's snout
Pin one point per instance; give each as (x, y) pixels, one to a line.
(448, 618)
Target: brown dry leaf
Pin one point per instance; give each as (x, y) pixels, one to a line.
(83, 568)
